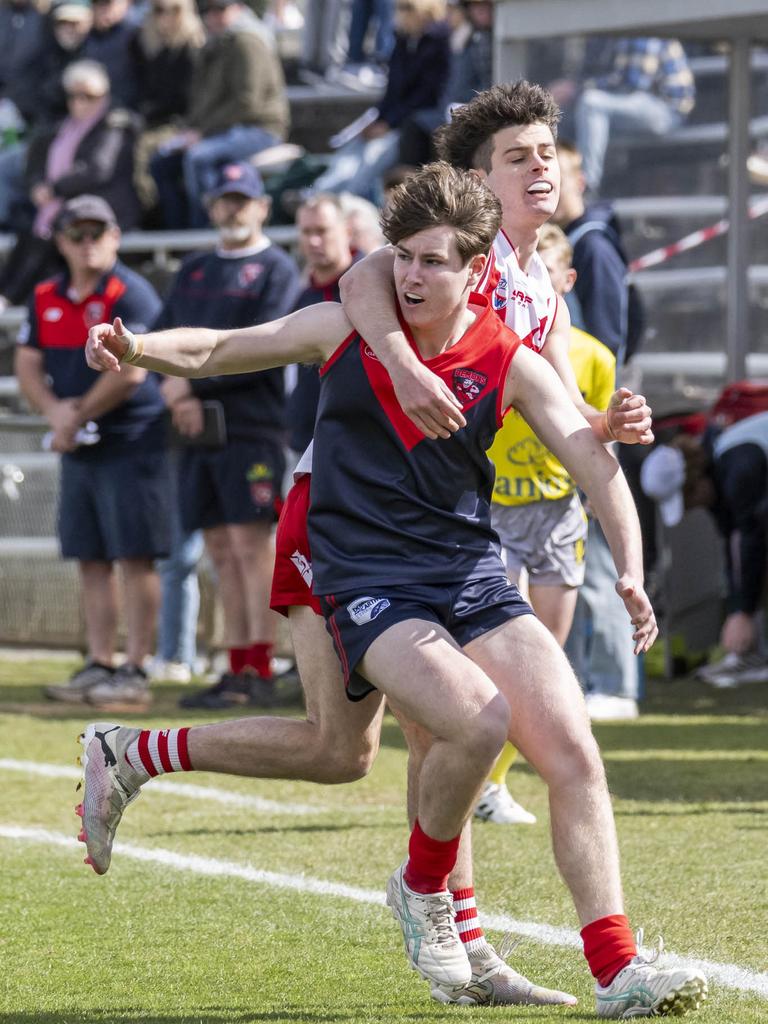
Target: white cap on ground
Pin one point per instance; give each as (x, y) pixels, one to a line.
(662, 477)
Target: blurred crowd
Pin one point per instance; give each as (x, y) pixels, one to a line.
(116, 115)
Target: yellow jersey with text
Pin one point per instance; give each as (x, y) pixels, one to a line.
(526, 471)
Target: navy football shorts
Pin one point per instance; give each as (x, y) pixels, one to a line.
(114, 505)
(239, 483)
(466, 610)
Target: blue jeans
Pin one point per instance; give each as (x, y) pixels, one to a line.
(600, 645)
(362, 12)
(598, 115)
(358, 166)
(197, 168)
(179, 593)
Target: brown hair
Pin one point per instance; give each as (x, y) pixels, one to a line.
(467, 140)
(443, 195)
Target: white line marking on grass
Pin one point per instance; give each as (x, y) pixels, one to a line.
(728, 975)
(164, 786)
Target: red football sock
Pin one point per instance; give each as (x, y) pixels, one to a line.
(158, 751)
(467, 921)
(430, 861)
(259, 657)
(237, 659)
(609, 945)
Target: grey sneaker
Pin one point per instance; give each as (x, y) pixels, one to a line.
(734, 670)
(127, 689)
(641, 989)
(432, 942)
(495, 983)
(80, 683)
(109, 784)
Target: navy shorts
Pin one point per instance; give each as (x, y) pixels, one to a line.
(466, 610)
(240, 483)
(114, 506)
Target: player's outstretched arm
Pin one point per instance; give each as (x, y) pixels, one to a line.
(536, 391)
(307, 336)
(368, 296)
(628, 416)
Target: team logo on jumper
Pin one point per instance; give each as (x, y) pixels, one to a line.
(95, 312)
(370, 353)
(260, 479)
(500, 293)
(366, 609)
(249, 273)
(53, 314)
(467, 384)
(304, 567)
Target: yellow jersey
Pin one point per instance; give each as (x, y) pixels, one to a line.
(526, 471)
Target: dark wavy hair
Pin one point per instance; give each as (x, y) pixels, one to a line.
(467, 140)
(439, 195)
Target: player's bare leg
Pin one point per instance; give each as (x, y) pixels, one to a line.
(551, 728)
(422, 670)
(493, 981)
(337, 742)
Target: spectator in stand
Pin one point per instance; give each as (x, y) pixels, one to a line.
(363, 13)
(417, 73)
(40, 82)
(91, 151)
(649, 90)
(230, 488)
(729, 475)
(363, 220)
(238, 107)
(113, 506)
(601, 290)
(326, 248)
(71, 22)
(471, 73)
(111, 43)
(165, 49)
(22, 40)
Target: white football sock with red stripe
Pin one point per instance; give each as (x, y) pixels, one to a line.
(157, 751)
(467, 921)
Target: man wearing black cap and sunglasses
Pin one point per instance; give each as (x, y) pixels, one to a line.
(113, 504)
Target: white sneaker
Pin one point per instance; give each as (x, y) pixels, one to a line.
(109, 784)
(432, 942)
(607, 707)
(160, 670)
(497, 805)
(735, 669)
(495, 983)
(643, 990)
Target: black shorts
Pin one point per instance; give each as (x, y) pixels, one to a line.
(240, 483)
(466, 610)
(115, 505)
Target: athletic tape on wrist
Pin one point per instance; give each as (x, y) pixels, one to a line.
(135, 348)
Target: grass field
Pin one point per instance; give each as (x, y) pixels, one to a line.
(237, 912)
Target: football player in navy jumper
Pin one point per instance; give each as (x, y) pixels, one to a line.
(407, 566)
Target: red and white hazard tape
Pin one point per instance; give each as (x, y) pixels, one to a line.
(756, 209)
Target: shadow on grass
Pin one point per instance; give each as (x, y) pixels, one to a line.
(353, 826)
(205, 1015)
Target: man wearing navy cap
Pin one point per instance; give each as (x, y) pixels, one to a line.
(230, 487)
(113, 505)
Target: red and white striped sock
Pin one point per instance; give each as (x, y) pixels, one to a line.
(467, 921)
(158, 751)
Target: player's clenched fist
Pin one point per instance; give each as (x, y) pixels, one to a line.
(108, 345)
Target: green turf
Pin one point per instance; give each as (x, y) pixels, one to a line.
(154, 944)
